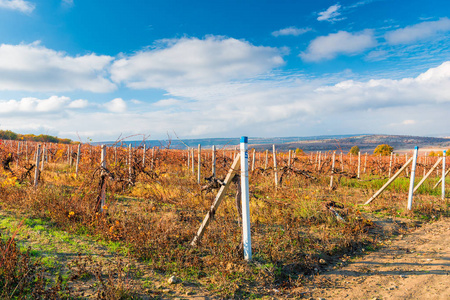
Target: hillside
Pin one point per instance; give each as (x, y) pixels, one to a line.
(366, 143)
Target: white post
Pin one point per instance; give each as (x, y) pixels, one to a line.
(199, 163)
(188, 158)
(444, 153)
(153, 158)
(289, 159)
(365, 163)
(130, 161)
(246, 234)
(342, 162)
(411, 181)
(275, 165)
(36, 171)
(192, 157)
(332, 168)
(214, 161)
(390, 164)
(320, 157)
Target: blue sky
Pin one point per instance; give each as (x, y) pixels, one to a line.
(104, 69)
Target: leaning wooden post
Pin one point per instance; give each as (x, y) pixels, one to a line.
(275, 166)
(36, 171)
(428, 174)
(188, 158)
(213, 160)
(443, 174)
(219, 197)
(199, 163)
(389, 181)
(78, 160)
(246, 235)
(411, 180)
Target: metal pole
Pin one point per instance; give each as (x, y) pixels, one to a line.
(246, 234)
(411, 181)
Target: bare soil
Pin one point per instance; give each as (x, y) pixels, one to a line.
(411, 266)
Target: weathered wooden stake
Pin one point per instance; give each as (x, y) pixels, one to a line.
(219, 197)
(199, 163)
(275, 166)
(389, 181)
(428, 174)
(36, 171)
(78, 160)
(443, 174)
(332, 168)
(267, 159)
(213, 160)
(359, 164)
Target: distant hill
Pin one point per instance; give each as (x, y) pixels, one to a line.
(366, 143)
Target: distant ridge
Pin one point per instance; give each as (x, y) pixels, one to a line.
(366, 142)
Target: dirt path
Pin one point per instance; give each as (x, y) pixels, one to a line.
(414, 266)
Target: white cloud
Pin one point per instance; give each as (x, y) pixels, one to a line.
(191, 61)
(342, 42)
(168, 102)
(19, 5)
(31, 67)
(421, 31)
(117, 105)
(409, 122)
(34, 105)
(331, 14)
(80, 103)
(291, 31)
(67, 3)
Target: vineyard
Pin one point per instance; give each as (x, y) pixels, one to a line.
(147, 204)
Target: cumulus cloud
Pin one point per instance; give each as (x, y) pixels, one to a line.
(421, 31)
(331, 14)
(53, 104)
(117, 105)
(19, 5)
(80, 103)
(192, 61)
(342, 42)
(291, 31)
(167, 102)
(32, 67)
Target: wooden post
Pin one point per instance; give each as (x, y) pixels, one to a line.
(214, 161)
(103, 187)
(193, 161)
(153, 158)
(143, 155)
(78, 160)
(389, 181)
(411, 180)
(359, 164)
(275, 166)
(428, 174)
(36, 171)
(130, 162)
(68, 154)
(188, 158)
(219, 197)
(267, 159)
(365, 163)
(43, 158)
(320, 158)
(390, 164)
(26, 151)
(332, 168)
(199, 163)
(253, 160)
(342, 162)
(289, 159)
(443, 175)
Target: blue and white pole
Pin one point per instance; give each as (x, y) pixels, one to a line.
(443, 174)
(246, 235)
(411, 181)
